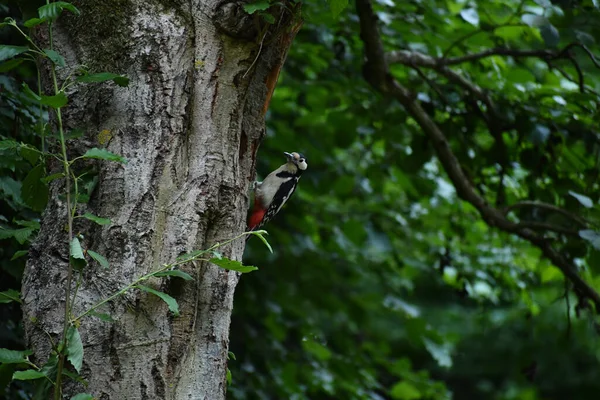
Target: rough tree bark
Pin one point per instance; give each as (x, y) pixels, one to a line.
(190, 122)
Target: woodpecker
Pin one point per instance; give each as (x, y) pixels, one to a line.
(277, 188)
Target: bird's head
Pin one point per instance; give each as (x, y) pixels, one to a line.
(297, 159)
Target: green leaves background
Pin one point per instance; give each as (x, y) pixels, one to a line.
(384, 284)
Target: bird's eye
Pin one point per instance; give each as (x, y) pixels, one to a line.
(301, 160)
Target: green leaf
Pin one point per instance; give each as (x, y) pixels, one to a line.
(171, 302)
(77, 258)
(439, 352)
(28, 375)
(56, 101)
(74, 134)
(21, 235)
(52, 177)
(470, 15)
(268, 17)
(34, 190)
(190, 255)
(8, 144)
(102, 316)
(591, 236)
(96, 219)
(82, 396)
(120, 80)
(228, 377)
(29, 153)
(14, 356)
(103, 154)
(18, 254)
(55, 57)
(232, 265)
(30, 93)
(337, 6)
(49, 369)
(259, 5)
(100, 258)
(75, 376)
(405, 390)
(175, 272)
(74, 348)
(584, 200)
(8, 51)
(534, 20)
(52, 11)
(10, 64)
(30, 23)
(9, 296)
(551, 273)
(550, 35)
(260, 235)
(316, 349)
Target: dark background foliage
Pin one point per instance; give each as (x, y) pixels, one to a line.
(383, 283)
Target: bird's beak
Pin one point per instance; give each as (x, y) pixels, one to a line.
(289, 156)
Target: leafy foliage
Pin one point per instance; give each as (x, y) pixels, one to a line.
(384, 282)
(74, 348)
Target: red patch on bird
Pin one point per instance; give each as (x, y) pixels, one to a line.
(256, 217)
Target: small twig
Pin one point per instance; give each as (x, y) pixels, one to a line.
(258, 53)
(580, 80)
(551, 207)
(431, 84)
(496, 52)
(543, 226)
(568, 77)
(590, 54)
(165, 267)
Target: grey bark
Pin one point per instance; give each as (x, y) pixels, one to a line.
(189, 124)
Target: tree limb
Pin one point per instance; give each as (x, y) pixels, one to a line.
(546, 206)
(419, 59)
(378, 75)
(543, 226)
(400, 55)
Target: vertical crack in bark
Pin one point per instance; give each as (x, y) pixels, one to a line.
(159, 380)
(143, 391)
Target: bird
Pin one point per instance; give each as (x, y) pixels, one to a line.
(277, 188)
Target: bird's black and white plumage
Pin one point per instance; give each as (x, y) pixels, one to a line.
(277, 188)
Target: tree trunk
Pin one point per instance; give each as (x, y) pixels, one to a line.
(190, 123)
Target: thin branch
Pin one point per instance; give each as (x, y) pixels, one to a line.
(546, 206)
(580, 80)
(415, 59)
(433, 85)
(584, 48)
(420, 59)
(378, 75)
(498, 52)
(543, 226)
